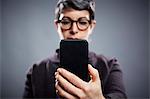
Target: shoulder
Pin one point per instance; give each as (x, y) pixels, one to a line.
(41, 63)
(40, 66)
(102, 60)
(105, 65)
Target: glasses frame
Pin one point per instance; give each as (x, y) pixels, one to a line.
(72, 21)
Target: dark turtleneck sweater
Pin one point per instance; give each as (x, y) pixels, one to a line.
(40, 81)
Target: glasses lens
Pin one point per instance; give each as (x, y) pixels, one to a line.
(83, 23)
(65, 23)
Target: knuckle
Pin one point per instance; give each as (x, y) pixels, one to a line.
(82, 96)
(87, 89)
(96, 71)
(71, 78)
(60, 92)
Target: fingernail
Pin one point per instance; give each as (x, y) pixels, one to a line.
(56, 91)
(56, 76)
(59, 69)
(56, 73)
(56, 82)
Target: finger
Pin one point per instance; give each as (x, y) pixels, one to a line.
(63, 93)
(94, 73)
(75, 80)
(68, 86)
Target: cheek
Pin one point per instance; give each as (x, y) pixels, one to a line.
(65, 33)
(61, 33)
(84, 33)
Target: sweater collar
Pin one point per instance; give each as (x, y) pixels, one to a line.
(56, 57)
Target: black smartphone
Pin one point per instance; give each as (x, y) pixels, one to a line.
(74, 57)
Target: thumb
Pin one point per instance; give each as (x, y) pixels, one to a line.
(93, 73)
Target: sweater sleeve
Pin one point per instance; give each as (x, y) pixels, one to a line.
(114, 86)
(28, 85)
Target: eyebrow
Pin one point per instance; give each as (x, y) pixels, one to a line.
(74, 20)
(62, 16)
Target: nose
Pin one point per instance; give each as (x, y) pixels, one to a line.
(74, 29)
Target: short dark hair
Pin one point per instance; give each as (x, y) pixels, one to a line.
(88, 5)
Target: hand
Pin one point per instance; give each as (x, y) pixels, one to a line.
(70, 86)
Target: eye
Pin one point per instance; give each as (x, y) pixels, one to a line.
(65, 22)
(83, 22)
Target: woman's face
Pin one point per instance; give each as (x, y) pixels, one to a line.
(75, 24)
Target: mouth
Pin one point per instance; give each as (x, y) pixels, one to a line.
(71, 38)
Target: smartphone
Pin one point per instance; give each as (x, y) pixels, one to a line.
(74, 57)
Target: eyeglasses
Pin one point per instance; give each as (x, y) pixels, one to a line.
(82, 23)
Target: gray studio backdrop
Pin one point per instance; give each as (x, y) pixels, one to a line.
(28, 36)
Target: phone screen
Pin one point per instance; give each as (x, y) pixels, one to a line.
(74, 57)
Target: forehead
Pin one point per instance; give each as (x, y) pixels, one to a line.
(74, 14)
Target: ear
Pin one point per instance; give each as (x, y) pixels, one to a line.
(93, 24)
(56, 23)
(58, 29)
